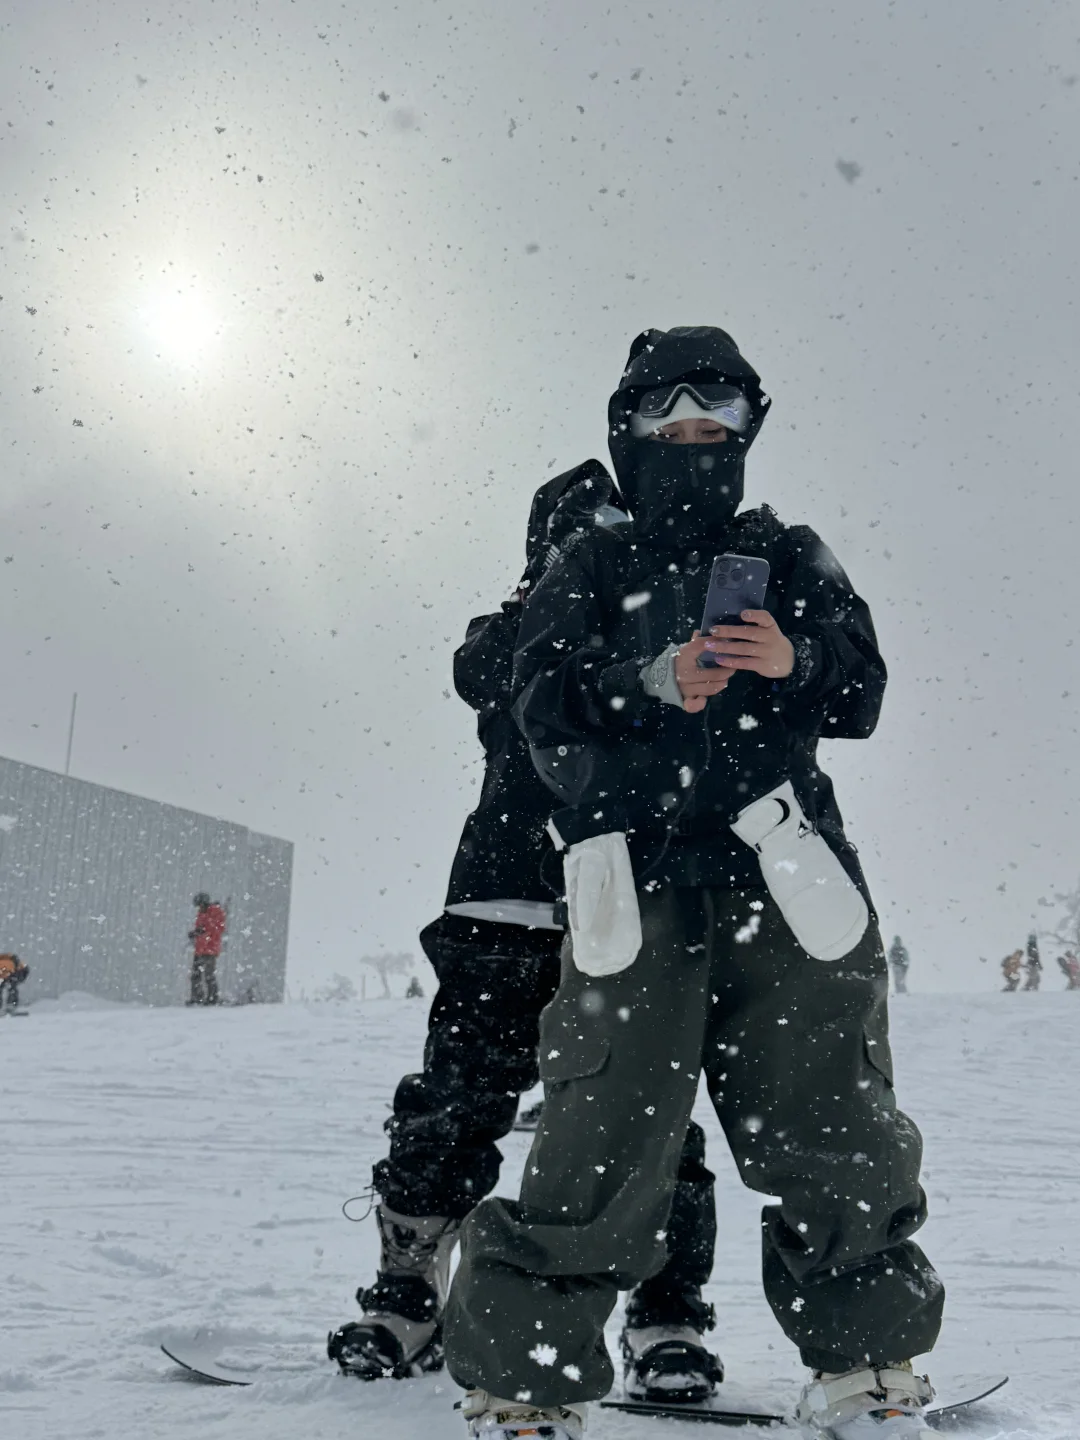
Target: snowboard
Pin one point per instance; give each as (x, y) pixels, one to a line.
(957, 1397)
(234, 1357)
(231, 1358)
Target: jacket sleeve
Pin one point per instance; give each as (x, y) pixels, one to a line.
(568, 685)
(484, 662)
(838, 682)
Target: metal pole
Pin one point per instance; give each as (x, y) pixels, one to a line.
(71, 733)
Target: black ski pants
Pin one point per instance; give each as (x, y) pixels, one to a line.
(204, 985)
(796, 1056)
(480, 1056)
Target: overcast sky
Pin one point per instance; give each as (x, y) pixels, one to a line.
(300, 304)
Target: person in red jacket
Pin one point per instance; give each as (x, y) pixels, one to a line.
(208, 934)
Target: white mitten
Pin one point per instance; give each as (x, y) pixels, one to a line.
(601, 898)
(824, 908)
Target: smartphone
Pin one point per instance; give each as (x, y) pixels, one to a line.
(737, 583)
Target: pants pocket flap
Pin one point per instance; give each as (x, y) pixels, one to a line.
(570, 1055)
(879, 1054)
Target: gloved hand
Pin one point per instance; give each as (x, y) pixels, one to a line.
(601, 899)
(816, 896)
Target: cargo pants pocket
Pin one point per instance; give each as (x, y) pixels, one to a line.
(570, 1049)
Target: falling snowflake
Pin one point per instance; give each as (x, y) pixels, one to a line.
(747, 722)
(544, 1354)
(746, 933)
(635, 602)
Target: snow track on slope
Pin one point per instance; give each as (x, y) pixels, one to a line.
(177, 1169)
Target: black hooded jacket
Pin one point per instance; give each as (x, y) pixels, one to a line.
(619, 759)
(499, 855)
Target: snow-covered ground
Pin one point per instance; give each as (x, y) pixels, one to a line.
(166, 1169)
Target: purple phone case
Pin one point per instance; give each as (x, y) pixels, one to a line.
(737, 583)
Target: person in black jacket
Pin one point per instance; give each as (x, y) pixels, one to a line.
(1033, 963)
(899, 964)
(719, 921)
(495, 951)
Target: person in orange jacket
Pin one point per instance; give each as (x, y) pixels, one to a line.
(12, 973)
(207, 936)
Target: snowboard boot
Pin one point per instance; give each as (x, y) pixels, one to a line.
(884, 1402)
(401, 1332)
(489, 1418)
(664, 1357)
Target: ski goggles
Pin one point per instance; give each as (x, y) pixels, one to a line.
(726, 404)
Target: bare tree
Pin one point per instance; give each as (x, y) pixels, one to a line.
(388, 963)
(339, 988)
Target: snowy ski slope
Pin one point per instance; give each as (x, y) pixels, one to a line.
(166, 1169)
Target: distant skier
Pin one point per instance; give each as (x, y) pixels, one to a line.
(1070, 968)
(12, 973)
(1010, 969)
(899, 961)
(208, 935)
(414, 990)
(1033, 963)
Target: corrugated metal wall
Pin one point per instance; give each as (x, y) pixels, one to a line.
(96, 888)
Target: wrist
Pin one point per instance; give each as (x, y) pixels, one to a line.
(804, 663)
(658, 678)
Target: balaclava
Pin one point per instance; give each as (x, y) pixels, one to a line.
(682, 495)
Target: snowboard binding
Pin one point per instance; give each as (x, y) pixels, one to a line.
(664, 1359)
(370, 1351)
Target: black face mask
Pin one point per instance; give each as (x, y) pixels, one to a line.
(680, 495)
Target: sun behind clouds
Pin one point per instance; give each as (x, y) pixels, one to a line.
(181, 323)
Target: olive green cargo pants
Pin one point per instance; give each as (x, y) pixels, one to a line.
(796, 1056)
